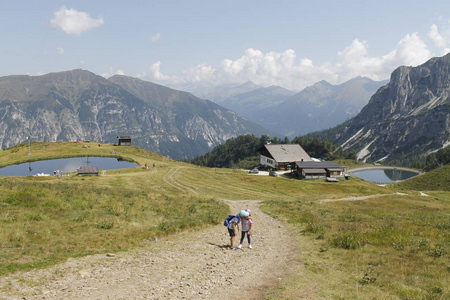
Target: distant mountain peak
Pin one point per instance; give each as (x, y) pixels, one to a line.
(249, 84)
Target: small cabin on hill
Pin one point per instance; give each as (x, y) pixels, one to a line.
(282, 156)
(322, 169)
(87, 170)
(124, 140)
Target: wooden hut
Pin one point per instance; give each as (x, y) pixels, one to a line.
(87, 170)
(124, 140)
(312, 169)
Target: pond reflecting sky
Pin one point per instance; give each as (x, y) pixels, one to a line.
(384, 175)
(64, 165)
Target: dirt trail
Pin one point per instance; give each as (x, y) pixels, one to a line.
(188, 265)
(355, 198)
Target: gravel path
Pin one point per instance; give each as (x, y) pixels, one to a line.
(188, 265)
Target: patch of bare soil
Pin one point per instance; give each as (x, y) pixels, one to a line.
(188, 265)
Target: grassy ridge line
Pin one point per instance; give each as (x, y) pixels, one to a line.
(435, 180)
(43, 151)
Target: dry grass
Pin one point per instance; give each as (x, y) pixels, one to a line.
(45, 220)
(393, 247)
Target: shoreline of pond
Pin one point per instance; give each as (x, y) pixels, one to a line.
(357, 169)
(64, 165)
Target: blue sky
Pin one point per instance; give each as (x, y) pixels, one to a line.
(287, 43)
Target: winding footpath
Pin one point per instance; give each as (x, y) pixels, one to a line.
(187, 265)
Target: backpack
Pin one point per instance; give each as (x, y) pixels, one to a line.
(228, 219)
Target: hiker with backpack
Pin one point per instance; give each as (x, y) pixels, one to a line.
(232, 224)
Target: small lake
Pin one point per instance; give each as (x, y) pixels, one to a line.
(384, 175)
(64, 165)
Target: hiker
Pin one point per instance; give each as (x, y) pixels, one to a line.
(246, 228)
(233, 229)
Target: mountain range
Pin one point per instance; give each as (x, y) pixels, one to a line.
(317, 107)
(405, 120)
(78, 104)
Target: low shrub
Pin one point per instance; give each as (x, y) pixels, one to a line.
(314, 228)
(369, 275)
(347, 241)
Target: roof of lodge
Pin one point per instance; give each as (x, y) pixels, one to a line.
(317, 165)
(285, 152)
(315, 171)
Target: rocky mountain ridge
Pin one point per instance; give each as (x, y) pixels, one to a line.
(78, 104)
(405, 120)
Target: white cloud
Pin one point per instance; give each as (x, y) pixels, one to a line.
(411, 50)
(285, 69)
(112, 72)
(156, 73)
(156, 37)
(141, 75)
(441, 40)
(199, 73)
(60, 50)
(437, 38)
(356, 51)
(74, 22)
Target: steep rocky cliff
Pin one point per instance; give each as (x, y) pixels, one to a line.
(406, 119)
(81, 105)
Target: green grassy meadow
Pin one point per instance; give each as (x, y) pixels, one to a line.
(393, 246)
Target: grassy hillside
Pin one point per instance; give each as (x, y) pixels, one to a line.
(389, 247)
(45, 220)
(395, 245)
(435, 180)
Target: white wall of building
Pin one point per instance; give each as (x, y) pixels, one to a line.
(266, 161)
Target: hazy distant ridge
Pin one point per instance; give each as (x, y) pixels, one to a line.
(320, 106)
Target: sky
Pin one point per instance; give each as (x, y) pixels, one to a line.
(292, 44)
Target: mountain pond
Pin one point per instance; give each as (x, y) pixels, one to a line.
(64, 165)
(387, 175)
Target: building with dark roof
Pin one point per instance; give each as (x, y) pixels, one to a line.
(322, 169)
(124, 140)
